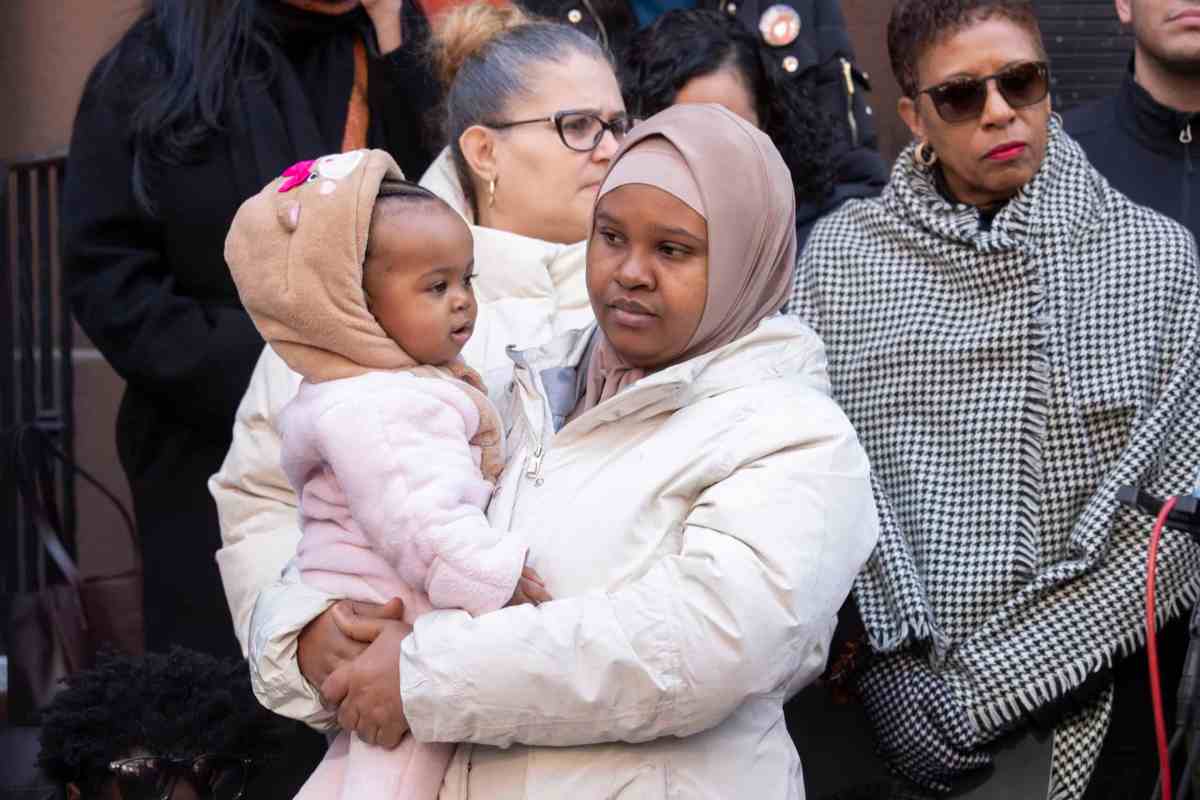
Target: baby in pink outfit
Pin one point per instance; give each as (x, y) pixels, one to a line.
(361, 282)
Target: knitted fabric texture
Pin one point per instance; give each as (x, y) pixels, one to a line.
(1005, 383)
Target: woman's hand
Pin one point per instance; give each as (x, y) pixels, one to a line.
(530, 589)
(385, 18)
(327, 642)
(367, 689)
(920, 728)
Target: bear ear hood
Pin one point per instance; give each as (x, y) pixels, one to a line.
(296, 252)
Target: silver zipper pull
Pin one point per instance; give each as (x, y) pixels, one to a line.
(1185, 136)
(535, 465)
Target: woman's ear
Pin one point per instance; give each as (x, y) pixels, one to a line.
(1125, 11)
(478, 145)
(907, 108)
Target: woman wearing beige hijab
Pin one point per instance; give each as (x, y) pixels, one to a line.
(698, 507)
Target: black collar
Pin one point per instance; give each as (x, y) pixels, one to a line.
(1156, 126)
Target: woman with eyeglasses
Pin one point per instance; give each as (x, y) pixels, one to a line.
(1013, 340)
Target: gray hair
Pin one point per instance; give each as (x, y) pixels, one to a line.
(488, 57)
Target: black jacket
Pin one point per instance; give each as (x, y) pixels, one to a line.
(1144, 149)
(821, 54)
(154, 295)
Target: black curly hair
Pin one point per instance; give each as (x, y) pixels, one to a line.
(179, 703)
(684, 44)
(917, 24)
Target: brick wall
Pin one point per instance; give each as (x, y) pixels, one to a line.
(1089, 50)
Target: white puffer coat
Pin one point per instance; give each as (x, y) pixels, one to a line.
(700, 530)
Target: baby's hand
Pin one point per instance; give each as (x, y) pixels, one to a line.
(530, 589)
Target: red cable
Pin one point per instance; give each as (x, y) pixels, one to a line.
(1160, 725)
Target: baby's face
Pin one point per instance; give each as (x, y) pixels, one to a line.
(418, 282)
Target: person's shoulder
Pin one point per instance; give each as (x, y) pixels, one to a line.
(1148, 228)
(1146, 239)
(780, 362)
(784, 412)
(1090, 119)
(125, 71)
(840, 235)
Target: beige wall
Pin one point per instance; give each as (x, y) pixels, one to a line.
(47, 48)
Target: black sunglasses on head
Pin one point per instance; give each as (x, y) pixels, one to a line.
(219, 777)
(963, 99)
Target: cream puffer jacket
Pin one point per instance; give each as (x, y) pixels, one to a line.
(699, 531)
(528, 291)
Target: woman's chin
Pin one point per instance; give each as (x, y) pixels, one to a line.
(639, 349)
(1006, 190)
(633, 347)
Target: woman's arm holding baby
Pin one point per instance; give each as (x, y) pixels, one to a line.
(745, 608)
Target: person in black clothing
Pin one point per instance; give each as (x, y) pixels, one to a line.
(196, 108)
(697, 56)
(1142, 139)
(806, 41)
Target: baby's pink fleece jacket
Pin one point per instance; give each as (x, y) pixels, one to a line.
(390, 488)
(378, 447)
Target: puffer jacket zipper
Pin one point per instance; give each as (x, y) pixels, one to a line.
(1185, 139)
(537, 435)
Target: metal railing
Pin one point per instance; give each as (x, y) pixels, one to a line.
(36, 340)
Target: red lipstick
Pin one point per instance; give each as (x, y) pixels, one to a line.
(1006, 152)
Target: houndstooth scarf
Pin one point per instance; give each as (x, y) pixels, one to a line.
(1005, 383)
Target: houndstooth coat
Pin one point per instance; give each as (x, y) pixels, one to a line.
(1005, 383)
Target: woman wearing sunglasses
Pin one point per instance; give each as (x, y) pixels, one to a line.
(1013, 340)
(166, 726)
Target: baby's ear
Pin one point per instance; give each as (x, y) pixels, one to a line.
(289, 216)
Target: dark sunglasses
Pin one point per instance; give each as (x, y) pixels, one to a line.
(579, 130)
(964, 99)
(154, 777)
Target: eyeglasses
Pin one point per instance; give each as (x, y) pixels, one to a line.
(154, 777)
(580, 131)
(964, 99)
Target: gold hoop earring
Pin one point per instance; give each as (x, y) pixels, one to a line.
(926, 155)
(492, 193)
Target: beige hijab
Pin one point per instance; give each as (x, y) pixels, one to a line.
(730, 173)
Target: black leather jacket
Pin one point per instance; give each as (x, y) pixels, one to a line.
(822, 54)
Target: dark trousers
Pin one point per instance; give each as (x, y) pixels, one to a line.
(837, 748)
(1128, 765)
